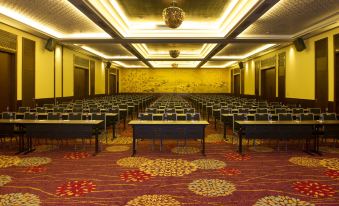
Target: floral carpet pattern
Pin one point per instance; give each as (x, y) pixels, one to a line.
(65, 175)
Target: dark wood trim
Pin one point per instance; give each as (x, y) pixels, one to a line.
(242, 81)
(173, 40)
(336, 72)
(62, 70)
(321, 90)
(260, 9)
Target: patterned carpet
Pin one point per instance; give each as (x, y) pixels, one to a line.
(60, 175)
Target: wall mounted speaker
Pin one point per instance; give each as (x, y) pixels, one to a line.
(241, 65)
(108, 65)
(50, 44)
(299, 44)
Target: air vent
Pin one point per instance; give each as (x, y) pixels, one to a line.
(81, 62)
(8, 41)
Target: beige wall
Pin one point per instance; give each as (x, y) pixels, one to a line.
(300, 69)
(44, 68)
(175, 80)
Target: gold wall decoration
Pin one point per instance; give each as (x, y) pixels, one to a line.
(174, 81)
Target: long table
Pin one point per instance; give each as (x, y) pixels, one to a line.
(51, 129)
(146, 129)
(286, 129)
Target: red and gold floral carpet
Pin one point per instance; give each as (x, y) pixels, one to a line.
(60, 175)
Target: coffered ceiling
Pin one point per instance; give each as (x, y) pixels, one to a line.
(132, 33)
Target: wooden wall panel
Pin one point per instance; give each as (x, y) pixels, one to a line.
(28, 73)
(321, 73)
(282, 76)
(242, 76)
(92, 77)
(7, 81)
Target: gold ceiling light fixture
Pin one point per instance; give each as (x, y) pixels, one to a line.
(174, 65)
(173, 15)
(174, 53)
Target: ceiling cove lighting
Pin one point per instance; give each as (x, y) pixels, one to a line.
(251, 53)
(231, 15)
(93, 51)
(127, 66)
(55, 33)
(173, 15)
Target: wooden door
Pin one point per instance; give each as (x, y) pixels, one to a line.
(268, 84)
(80, 83)
(28, 73)
(237, 85)
(321, 73)
(112, 84)
(7, 81)
(336, 73)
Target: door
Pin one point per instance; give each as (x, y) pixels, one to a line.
(237, 85)
(336, 73)
(80, 83)
(112, 84)
(7, 81)
(28, 73)
(268, 84)
(321, 73)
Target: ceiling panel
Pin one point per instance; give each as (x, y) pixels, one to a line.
(60, 18)
(151, 10)
(180, 64)
(290, 17)
(181, 47)
(130, 64)
(218, 64)
(240, 49)
(111, 50)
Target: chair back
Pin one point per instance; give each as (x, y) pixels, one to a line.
(193, 116)
(285, 116)
(306, 116)
(262, 117)
(157, 116)
(171, 116)
(145, 116)
(328, 116)
(29, 115)
(262, 110)
(280, 110)
(297, 110)
(315, 110)
(75, 116)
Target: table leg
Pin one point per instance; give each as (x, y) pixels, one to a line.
(113, 130)
(134, 150)
(224, 130)
(240, 141)
(203, 142)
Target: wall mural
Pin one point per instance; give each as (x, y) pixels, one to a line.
(174, 81)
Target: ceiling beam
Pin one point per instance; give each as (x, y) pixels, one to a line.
(250, 18)
(86, 8)
(178, 41)
(168, 59)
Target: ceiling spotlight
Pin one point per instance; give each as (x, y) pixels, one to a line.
(173, 15)
(174, 65)
(174, 53)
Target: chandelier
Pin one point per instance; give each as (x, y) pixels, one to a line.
(173, 16)
(174, 65)
(174, 53)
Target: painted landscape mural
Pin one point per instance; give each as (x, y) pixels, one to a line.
(174, 81)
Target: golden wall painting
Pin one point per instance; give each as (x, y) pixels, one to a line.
(174, 81)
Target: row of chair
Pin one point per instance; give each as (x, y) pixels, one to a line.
(169, 116)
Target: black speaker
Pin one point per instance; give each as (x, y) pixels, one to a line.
(50, 44)
(241, 65)
(299, 44)
(108, 65)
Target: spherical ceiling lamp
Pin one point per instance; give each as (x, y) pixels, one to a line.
(174, 53)
(174, 65)
(173, 16)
